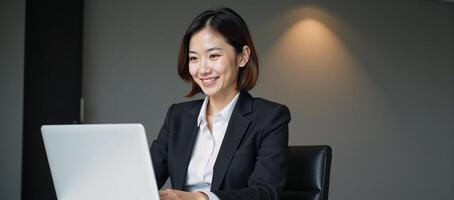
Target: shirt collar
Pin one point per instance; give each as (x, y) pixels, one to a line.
(225, 113)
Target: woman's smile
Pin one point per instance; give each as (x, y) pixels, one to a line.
(209, 81)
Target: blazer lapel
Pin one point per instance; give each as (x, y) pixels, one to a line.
(185, 146)
(237, 127)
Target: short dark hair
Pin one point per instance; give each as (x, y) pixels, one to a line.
(232, 27)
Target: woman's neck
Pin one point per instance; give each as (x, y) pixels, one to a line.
(218, 102)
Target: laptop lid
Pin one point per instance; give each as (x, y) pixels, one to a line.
(100, 161)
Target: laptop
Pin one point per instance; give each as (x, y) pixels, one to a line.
(100, 161)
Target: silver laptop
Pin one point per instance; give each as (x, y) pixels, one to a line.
(100, 161)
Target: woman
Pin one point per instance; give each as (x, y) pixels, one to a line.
(229, 145)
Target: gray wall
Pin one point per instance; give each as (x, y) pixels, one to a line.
(375, 80)
(12, 23)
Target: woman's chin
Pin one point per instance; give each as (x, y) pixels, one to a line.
(210, 91)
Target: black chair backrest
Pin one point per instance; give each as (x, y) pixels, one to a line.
(308, 173)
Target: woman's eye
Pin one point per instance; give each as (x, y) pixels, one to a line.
(192, 59)
(214, 56)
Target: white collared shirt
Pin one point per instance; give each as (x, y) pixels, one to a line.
(206, 148)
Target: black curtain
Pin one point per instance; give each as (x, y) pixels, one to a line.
(52, 88)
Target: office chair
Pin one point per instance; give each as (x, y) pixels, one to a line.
(308, 173)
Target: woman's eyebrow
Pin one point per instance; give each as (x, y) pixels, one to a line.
(208, 50)
(214, 48)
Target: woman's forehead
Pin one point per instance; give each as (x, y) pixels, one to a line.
(207, 39)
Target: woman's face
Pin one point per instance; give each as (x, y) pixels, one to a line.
(213, 63)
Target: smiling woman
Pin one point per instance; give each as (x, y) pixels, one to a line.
(229, 145)
(214, 64)
(213, 31)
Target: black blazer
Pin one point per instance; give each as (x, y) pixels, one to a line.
(252, 160)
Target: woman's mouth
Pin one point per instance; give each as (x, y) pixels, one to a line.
(208, 82)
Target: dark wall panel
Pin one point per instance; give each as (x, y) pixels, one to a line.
(52, 88)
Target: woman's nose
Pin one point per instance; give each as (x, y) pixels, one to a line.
(206, 67)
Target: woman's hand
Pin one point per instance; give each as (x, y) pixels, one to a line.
(169, 194)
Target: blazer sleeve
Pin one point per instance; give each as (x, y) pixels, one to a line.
(270, 172)
(159, 150)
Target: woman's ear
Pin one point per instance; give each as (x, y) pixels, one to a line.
(244, 56)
